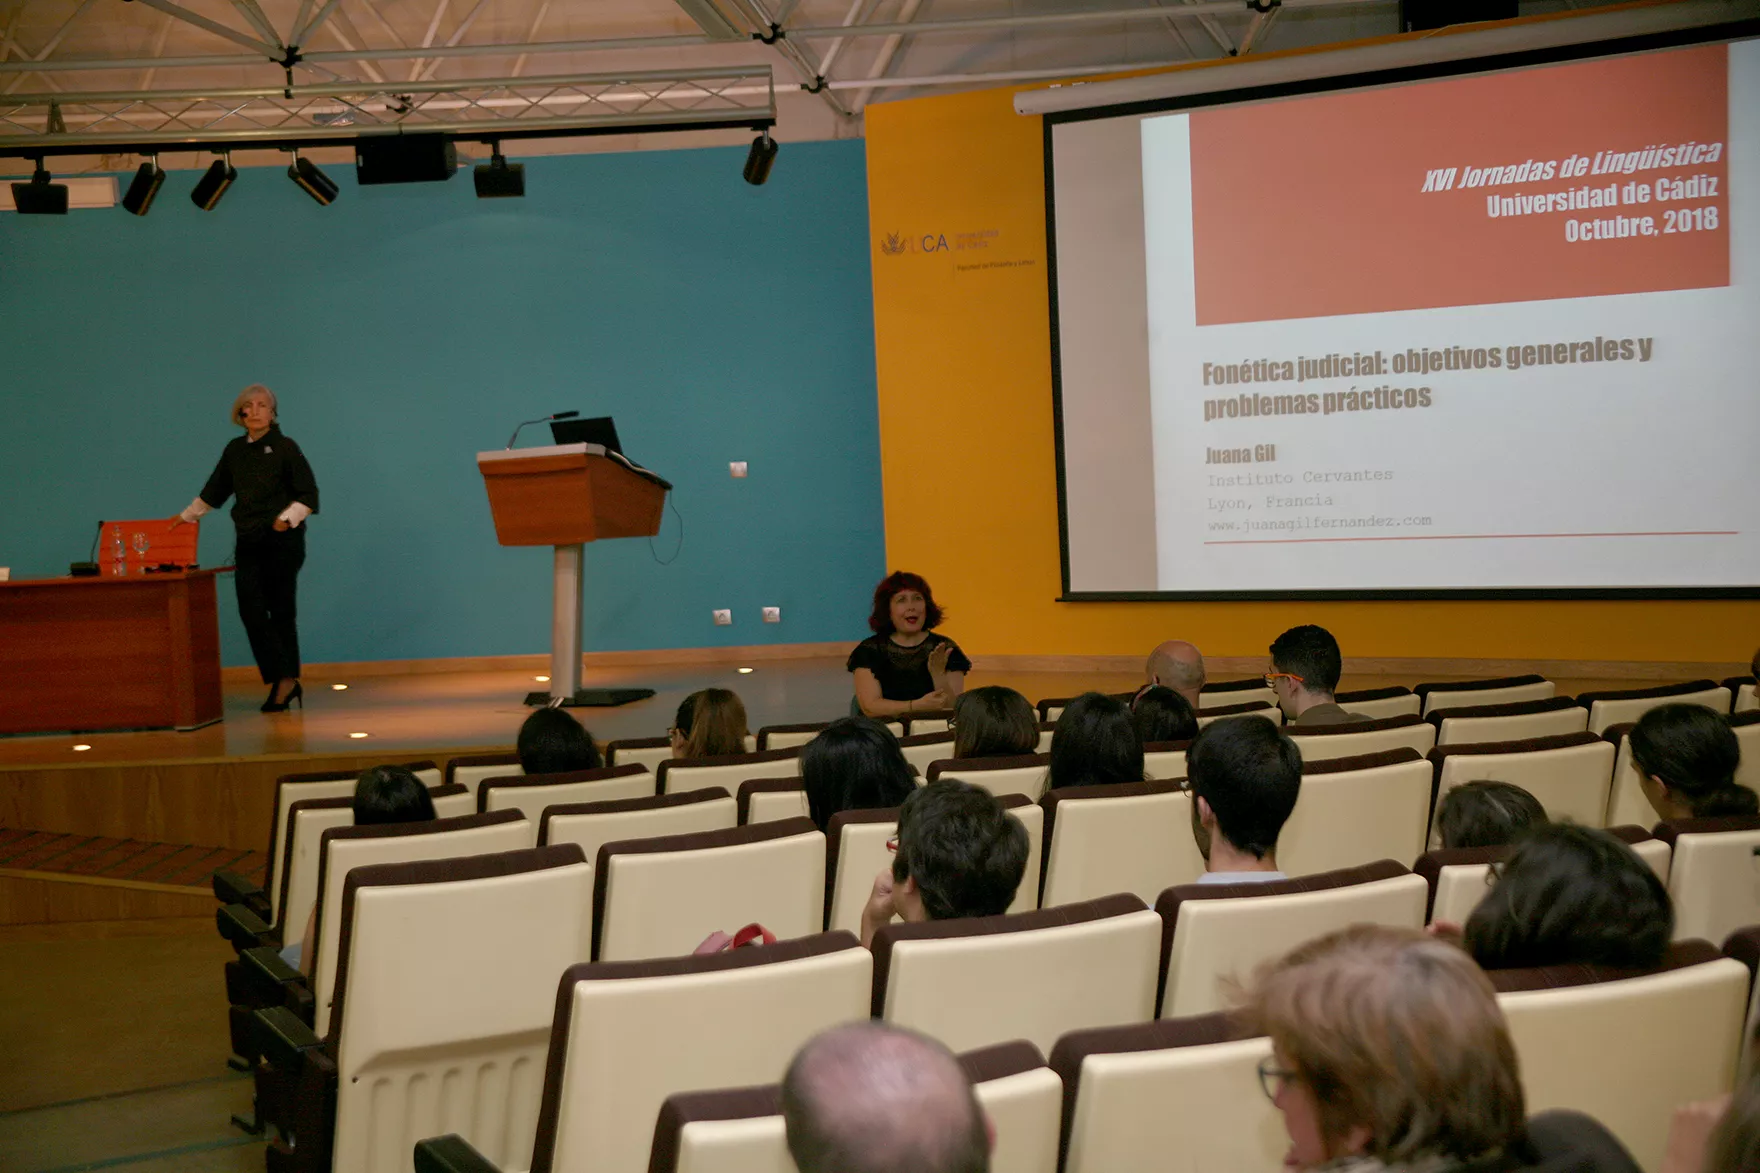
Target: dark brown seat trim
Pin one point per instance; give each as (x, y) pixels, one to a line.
(1362, 761)
(726, 759)
(613, 806)
(1001, 1060)
(1673, 829)
(1588, 699)
(1680, 955)
(1508, 709)
(1424, 690)
(1372, 694)
(1373, 725)
(977, 765)
(1242, 709)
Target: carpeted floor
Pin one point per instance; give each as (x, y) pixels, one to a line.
(123, 859)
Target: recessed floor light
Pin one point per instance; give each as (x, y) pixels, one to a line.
(357, 735)
(81, 748)
(542, 679)
(340, 687)
(743, 671)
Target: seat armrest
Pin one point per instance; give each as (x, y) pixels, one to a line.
(259, 978)
(232, 888)
(283, 1039)
(244, 928)
(451, 1154)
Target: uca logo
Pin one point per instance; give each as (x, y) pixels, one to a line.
(897, 244)
(893, 244)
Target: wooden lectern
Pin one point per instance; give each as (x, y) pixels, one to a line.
(565, 496)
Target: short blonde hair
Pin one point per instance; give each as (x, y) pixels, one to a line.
(1397, 1032)
(245, 395)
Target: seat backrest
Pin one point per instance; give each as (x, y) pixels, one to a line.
(629, 1034)
(530, 794)
(1516, 721)
(925, 749)
(661, 896)
(1319, 742)
(1263, 709)
(1235, 692)
(1625, 797)
(1357, 810)
(1497, 690)
(289, 789)
(1628, 1049)
(1459, 877)
(1047, 731)
(1180, 1093)
(1746, 725)
(1214, 932)
(1031, 816)
(1051, 708)
(306, 821)
(768, 800)
(1568, 773)
(1023, 1099)
(452, 801)
(342, 849)
(939, 721)
(1135, 837)
(678, 775)
(1624, 705)
(642, 751)
(1744, 946)
(1393, 701)
(469, 772)
(591, 825)
(1032, 975)
(497, 929)
(1714, 878)
(788, 736)
(1165, 761)
(1742, 688)
(1019, 774)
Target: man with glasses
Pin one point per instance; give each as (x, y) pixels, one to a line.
(1305, 667)
(957, 853)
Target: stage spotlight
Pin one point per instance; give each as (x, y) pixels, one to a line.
(147, 182)
(312, 181)
(761, 158)
(499, 179)
(39, 197)
(213, 183)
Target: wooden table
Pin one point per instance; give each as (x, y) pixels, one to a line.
(135, 651)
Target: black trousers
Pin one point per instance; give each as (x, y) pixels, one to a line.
(268, 572)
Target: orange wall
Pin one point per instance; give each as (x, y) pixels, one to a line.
(967, 457)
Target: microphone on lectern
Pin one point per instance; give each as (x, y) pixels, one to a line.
(561, 415)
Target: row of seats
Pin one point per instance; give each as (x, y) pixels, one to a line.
(573, 1077)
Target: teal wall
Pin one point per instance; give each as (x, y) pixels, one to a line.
(406, 328)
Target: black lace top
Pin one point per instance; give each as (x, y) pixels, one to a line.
(903, 673)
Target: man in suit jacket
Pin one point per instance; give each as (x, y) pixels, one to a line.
(1305, 666)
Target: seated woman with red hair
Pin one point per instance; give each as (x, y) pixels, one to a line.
(904, 667)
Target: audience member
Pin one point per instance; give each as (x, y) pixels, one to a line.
(1571, 895)
(1686, 757)
(905, 667)
(1161, 714)
(382, 794)
(958, 854)
(1245, 779)
(709, 723)
(1486, 814)
(1095, 744)
(1178, 665)
(866, 1097)
(993, 722)
(553, 742)
(1389, 1052)
(853, 764)
(1735, 1142)
(1305, 667)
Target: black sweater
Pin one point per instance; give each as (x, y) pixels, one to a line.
(267, 475)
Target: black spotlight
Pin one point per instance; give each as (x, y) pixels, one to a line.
(312, 181)
(499, 179)
(39, 197)
(213, 183)
(761, 158)
(147, 182)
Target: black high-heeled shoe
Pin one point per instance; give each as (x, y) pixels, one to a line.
(296, 693)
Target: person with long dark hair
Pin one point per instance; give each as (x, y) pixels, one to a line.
(905, 666)
(1687, 757)
(275, 492)
(1095, 744)
(853, 764)
(994, 722)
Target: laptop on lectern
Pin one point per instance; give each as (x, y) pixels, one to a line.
(599, 430)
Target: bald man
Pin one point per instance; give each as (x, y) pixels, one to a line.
(1179, 666)
(870, 1098)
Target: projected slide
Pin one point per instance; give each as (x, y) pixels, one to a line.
(1480, 333)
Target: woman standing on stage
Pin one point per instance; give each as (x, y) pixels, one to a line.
(276, 493)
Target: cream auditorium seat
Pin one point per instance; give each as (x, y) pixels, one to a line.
(741, 1130)
(629, 1034)
(661, 896)
(1051, 708)
(1516, 721)
(1459, 877)
(1023, 774)
(678, 775)
(1743, 945)
(591, 825)
(1033, 975)
(1569, 773)
(1393, 701)
(1742, 689)
(1746, 725)
(1269, 712)
(1714, 879)
(1217, 932)
(1319, 742)
(642, 751)
(1047, 730)
(923, 750)
(496, 929)
(1627, 705)
(452, 801)
(1165, 761)
(1628, 1049)
(1135, 837)
(1251, 690)
(470, 771)
(1178, 1094)
(530, 794)
(1498, 690)
(788, 736)
(936, 721)
(768, 800)
(1357, 810)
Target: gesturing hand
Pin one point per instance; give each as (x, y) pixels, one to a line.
(938, 658)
